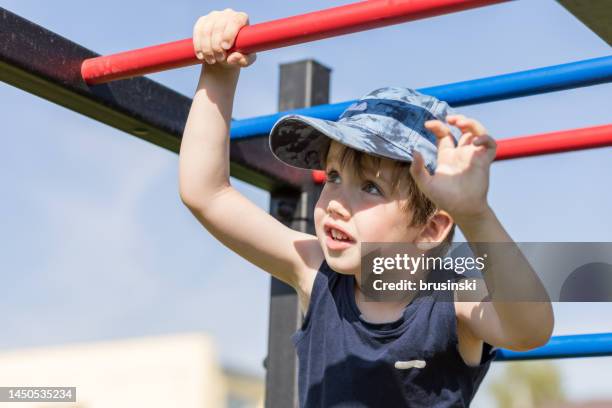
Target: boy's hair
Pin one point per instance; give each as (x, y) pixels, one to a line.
(418, 202)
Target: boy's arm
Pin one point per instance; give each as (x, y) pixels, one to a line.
(204, 182)
(519, 314)
(459, 186)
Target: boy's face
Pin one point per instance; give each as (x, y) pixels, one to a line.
(365, 209)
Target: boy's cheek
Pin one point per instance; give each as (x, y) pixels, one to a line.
(318, 213)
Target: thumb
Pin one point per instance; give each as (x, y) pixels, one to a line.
(234, 58)
(242, 60)
(419, 172)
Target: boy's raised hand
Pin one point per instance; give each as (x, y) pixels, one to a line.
(461, 180)
(215, 33)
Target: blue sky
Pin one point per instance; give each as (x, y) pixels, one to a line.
(97, 245)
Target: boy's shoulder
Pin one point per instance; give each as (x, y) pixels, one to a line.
(313, 259)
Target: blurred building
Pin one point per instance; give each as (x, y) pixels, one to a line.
(179, 370)
(585, 404)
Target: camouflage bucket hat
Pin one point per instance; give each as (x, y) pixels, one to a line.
(388, 122)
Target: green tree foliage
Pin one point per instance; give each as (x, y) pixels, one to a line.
(528, 384)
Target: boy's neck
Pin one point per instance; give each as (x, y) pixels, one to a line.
(380, 312)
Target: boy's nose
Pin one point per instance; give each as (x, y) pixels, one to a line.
(335, 207)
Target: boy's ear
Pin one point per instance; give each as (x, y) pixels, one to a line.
(435, 230)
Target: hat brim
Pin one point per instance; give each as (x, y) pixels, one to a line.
(300, 141)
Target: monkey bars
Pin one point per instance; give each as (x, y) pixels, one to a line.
(500, 87)
(570, 346)
(489, 89)
(50, 66)
(30, 61)
(283, 32)
(554, 142)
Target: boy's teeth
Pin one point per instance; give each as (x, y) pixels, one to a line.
(338, 235)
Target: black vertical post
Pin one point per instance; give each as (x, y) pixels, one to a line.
(302, 84)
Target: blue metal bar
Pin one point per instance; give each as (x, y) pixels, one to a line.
(578, 345)
(523, 83)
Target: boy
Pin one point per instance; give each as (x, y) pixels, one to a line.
(394, 174)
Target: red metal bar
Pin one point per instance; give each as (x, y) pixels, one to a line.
(554, 142)
(536, 145)
(321, 24)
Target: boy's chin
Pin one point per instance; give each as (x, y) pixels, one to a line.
(343, 265)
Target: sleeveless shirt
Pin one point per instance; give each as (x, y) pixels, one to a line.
(345, 361)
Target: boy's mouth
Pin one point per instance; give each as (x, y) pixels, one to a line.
(337, 238)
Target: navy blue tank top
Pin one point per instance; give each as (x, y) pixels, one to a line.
(345, 361)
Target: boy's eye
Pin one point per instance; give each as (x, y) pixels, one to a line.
(372, 188)
(369, 187)
(332, 176)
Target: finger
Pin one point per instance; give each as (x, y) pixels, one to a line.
(197, 39)
(236, 22)
(234, 58)
(206, 33)
(248, 60)
(485, 140)
(217, 37)
(469, 125)
(444, 137)
(489, 143)
(466, 137)
(452, 119)
(242, 60)
(419, 172)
